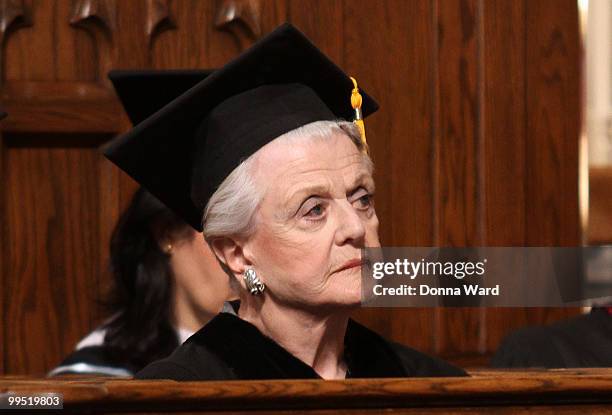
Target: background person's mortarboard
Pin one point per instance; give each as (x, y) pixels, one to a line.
(183, 152)
(143, 92)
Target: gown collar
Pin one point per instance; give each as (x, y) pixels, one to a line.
(252, 355)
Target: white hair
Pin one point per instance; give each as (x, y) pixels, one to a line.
(231, 209)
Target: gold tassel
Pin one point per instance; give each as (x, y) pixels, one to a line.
(356, 101)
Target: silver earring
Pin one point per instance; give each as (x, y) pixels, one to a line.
(254, 285)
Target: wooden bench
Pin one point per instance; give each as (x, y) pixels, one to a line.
(559, 392)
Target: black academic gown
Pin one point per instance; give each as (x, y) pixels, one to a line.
(583, 341)
(230, 348)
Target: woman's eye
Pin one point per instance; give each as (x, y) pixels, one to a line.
(363, 201)
(313, 209)
(316, 211)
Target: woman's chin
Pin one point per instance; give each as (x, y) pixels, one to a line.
(348, 297)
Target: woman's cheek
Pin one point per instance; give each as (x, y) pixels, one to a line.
(284, 259)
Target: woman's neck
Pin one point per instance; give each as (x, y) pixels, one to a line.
(318, 341)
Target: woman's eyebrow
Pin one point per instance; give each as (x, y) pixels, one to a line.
(363, 179)
(307, 191)
(288, 207)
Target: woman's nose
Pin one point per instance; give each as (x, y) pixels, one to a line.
(351, 228)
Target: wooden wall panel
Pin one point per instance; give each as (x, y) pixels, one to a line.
(460, 205)
(174, 49)
(459, 118)
(504, 124)
(311, 16)
(475, 143)
(55, 192)
(504, 121)
(207, 34)
(53, 265)
(49, 49)
(553, 122)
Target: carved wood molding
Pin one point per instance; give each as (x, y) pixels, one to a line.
(14, 14)
(159, 18)
(96, 15)
(99, 18)
(242, 18)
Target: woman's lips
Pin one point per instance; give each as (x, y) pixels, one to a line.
(353, 263)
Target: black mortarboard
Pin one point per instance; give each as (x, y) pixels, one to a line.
(144, 92)
(183, 152)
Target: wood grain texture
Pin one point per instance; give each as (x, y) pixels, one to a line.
(552, 133)
(174, 49)
(3, 259)
(101, 13)
(14, 14)
(197, 42)
(60, 106)
(310, 17)
(480, 393)
(99, 18)
(51, 193)
(158, 18)
(51, 49)
(459, 41)
(504, 124)
(553, 110)
(504, 121)
(241, 18)
(460, 206)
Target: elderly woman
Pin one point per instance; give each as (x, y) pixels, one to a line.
(254, 156)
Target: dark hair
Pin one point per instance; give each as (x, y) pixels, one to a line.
(140, 330)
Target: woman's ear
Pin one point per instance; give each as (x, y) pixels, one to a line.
(231, 254)
(166, 245)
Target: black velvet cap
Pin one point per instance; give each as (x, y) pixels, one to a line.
(183, 152)
(144, 92)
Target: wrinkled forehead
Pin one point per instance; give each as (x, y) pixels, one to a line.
(286, 164)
